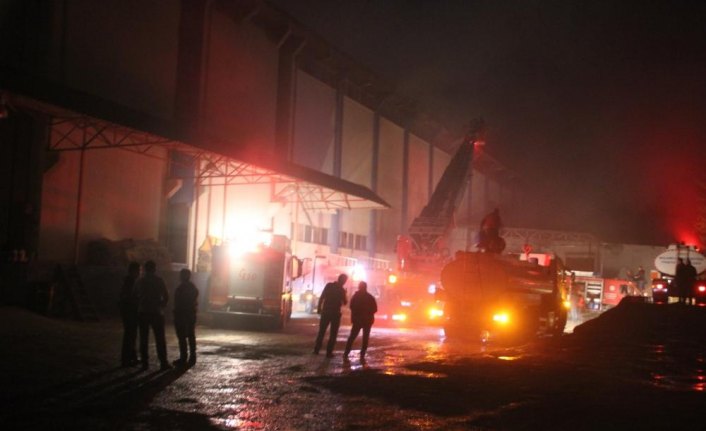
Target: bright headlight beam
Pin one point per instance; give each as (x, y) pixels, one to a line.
(501, 318)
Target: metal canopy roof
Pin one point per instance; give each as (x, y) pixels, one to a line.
(313, 190)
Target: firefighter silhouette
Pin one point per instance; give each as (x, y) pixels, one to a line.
(489, 239)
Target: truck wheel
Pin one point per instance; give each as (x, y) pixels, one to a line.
(485, 337)
(450, 332)
(277, 322)
(560, 323)
(289, 310)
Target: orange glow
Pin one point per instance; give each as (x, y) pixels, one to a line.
(399, 317)
(435, 313)
(359, 273)
(248, 243)
(392, 278)
(501, 318)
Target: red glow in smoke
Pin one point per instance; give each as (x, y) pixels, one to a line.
(670, 163)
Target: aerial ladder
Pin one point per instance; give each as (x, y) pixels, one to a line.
(424, 249)
(423, 252)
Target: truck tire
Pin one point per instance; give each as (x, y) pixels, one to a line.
(278, 322)
(560, 323)
(450, 331)
(290, 305)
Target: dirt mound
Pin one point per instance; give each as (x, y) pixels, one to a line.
(641, 321)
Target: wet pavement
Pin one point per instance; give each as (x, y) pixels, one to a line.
(627, 369)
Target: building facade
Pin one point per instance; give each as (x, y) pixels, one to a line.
(180, 120)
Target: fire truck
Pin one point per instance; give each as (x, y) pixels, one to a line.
(601, 293)
(253, 283)
(423, 252)
(504, 297)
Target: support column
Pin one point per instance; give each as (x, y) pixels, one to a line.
(404, 226)
(372, 232)
(79, 202)
(337, 160)
(286, 95)
(190, 61)
(430, 182)
(197, 195)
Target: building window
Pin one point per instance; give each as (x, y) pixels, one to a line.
(361, 242)
(320, 235)
(301, 232)
(312, 234)
(343, 239)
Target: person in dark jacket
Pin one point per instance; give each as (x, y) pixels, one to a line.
(333, 297)
(152, 297)
(680, 280)
(128, 312)
(363, 309)
(690, 275)
(186, 298)
(489, 235)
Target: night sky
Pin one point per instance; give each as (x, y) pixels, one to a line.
(599, 106)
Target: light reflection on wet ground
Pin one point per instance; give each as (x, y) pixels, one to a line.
(406, 382)
(414, 379)
(675, 366)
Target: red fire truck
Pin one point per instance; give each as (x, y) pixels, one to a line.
(254, 283)
(601, 293)
(423, 252)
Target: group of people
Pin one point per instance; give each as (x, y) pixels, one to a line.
(685, 278)
(363, 308)
(144, 299)
(142, 304)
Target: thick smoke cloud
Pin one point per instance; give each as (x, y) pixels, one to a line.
(598, 106)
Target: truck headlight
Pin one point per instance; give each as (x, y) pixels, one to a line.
(435, 313)
(400, 317)
(501, 318)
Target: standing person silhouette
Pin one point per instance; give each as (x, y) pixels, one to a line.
(152, 297)
(680, 280)
(186, 298)
(333, 297)
(363, 309)
(690, 275)
(639, 279)
(128, 313)
(489, 234)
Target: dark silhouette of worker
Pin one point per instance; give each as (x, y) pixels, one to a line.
(639, 279)
(152, 298)
(489, 234)
(680, 280)
(128, 313)
(363, 309)
(186, 297)
(333, 297)
(690, 275)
